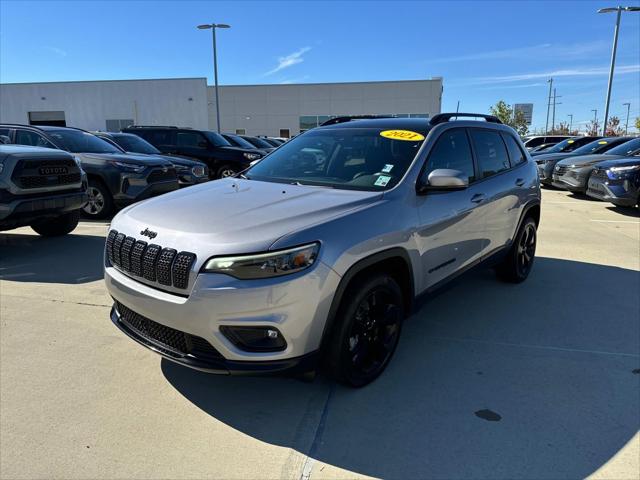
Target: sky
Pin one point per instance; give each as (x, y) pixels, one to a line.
(485, 51)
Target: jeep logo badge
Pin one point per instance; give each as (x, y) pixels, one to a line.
(148, 233)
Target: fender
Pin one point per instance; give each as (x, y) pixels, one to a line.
(355, 269)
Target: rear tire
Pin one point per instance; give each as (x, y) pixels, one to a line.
(367, 330)
(54, 227)
(100, 204)
(517, 265)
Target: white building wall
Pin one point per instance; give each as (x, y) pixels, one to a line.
(89, 104)
(265, 109)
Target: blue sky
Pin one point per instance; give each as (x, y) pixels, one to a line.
(486, 51)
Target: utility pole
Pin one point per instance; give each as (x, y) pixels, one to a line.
(570, 122)
(458, 108)
(626, 124)
(553, 122)
(546, 126)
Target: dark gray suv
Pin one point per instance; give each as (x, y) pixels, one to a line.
(320, 250)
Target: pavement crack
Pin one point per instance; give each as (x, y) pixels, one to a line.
(309, 460)
(61, 301)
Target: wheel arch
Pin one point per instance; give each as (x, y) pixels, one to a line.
(395, 261)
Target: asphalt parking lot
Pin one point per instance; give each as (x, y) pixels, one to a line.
(538, 380)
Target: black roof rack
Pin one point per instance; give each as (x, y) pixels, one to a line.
(446, 117)
(348, 118)
(151, 126)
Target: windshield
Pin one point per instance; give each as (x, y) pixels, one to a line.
(597, 146)
(216, 139)
(258, 142)
(345, 158)
(135, 144)
(239, 141)
(77, 141)
(632, 147)
(564, 146)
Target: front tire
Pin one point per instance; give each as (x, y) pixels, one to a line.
(227, 171)
(367, 330)
(54, 227)
(100, 204)
(517, 265)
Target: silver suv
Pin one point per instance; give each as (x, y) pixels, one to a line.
(321, 249)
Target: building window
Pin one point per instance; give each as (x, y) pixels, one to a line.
(308, 121)
(284, 133)
(241, 131)
(55, 118)
(419, 115)
(117, 125)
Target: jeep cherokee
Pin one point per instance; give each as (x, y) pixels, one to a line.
(320, 250)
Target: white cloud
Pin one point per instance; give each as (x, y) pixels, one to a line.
(289, 60)
(570, 72)
(57, 51)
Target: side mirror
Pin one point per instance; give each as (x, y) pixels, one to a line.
(443, 179)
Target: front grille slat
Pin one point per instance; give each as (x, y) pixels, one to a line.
(151, 262)
(166, 339)
(27, 173)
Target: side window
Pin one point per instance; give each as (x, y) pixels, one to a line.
(191, 140)
(25, 137)
(452, 151)
(490, 152)
(516, 156)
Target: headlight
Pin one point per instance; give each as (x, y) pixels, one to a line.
(78, 161)
(198, 171)
(251, 156)
(629, 168)
(265, 265)
(127, 167)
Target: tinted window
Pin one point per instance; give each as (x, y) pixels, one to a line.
(191, 140)
(516, 155)
(452, 151)
(25, 137)
(133, 143)
(490, 152)
(257, 142)
(77, 141)
(216, 139)
(534, 142)
(599, 146)
(631, 147)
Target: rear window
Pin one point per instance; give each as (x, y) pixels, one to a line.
(516, 155)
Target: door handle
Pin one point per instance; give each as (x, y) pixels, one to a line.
(520, 182)
(477, 198)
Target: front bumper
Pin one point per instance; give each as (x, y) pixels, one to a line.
(545, 173)
(208, 360)
(615, 193)
(296, 305)
(570, 182)
(22, 210)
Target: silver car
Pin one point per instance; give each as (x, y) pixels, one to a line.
(320, 250)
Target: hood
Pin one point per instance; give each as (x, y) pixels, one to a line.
(233, 216)
(135, 158)
(177, 160)
(552, 156)
(586, 160)
(619, 161)
(242, 149)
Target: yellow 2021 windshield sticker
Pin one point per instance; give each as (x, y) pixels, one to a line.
(405, 135)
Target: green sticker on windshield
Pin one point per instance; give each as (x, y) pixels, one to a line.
(382, 181)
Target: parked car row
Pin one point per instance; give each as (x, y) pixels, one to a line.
(606, 169)
(141, 162)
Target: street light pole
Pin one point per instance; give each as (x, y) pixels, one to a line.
(213, 27)
(546, 125)
(618, 11)
(626, 124)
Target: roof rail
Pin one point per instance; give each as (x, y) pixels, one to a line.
(151, 126)
(348, 118)
(446, 117)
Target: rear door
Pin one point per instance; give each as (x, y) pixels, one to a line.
(192, 144)
(497, 188)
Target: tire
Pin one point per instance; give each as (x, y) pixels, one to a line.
(100, 204)
(361, 346)
(517, 265)
(226, 171)
(54, 227)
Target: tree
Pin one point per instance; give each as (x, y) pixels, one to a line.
(613, 128)
(593, 127)
(637, 123)
(563, 129)
(506, 114)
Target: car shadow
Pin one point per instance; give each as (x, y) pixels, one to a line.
(68, 259)
(633, 212)
(490, 380)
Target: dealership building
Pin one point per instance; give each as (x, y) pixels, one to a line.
(275, 110)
